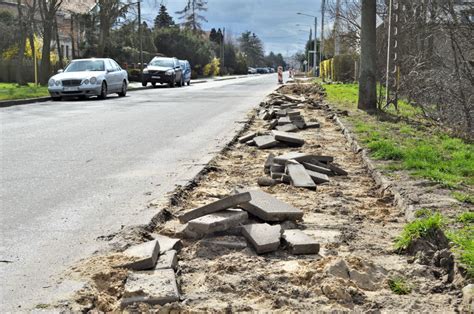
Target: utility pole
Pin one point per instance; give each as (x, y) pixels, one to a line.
(337, 48)
(315, 43)
(309, 53)
(321, 46)
(140, 38)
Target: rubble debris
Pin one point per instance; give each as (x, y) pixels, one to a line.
(219, 221)
(313, 125)
(269, 208)
(338, 268)
(300, 124)
(288, 137)
(143, 255)
(287, 128)
(168, 259)
(225, 203)
(263, 237)
(337, 170)
(283, 159)
(265, 141)
(228, 242)
(315, 168)
(247, 137)
(152, 287)
(273, 123)
(167, 243)
(266, 181)
(299, 242)
(318, 178)
(299, 176)
(268, 163)
(284, 120)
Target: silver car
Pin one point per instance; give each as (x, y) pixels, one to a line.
(89, 77)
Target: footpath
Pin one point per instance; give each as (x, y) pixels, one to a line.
(288, 217)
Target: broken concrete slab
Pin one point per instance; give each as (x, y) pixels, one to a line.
(288, 137)
(283, 159)
(299, 177)
(167, 260)
(268, 163)
(167, 243)
(269, 208)
(284, 120)
(318, 178)
(265, 141)
(227, 202)
(143, 256)
(247, 137)
(315, 168)
(152, 287)
(263, 237)
(272, 124)
(337, 170)
(299, 242)
(220, 221)
(287, 128)
(312, 125)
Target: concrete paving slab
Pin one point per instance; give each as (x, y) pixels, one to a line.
(281, 113)
(263, 237)
(167, 243)
(269, 208)
(312, 125)
(277, 168)
(220, 221)
(337, 170)
(226, 202)
(300, 124)
(167, 260)
(228, 242)
(284, 120)
(293, 113)
(143, 255)
(287, 128)
(152, 287)
(283, 159)
(265, 141)
(299, 242)
(247, 137)
(299, 177)
(288, 137)
(315, 168)
(318, 178)
(273, 123)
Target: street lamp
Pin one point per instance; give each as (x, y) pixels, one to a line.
(138, 3)
(315, 38)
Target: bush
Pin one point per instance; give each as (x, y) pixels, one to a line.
(341, 68)
(212, 68)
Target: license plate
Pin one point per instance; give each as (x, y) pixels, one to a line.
(155, 77)
(71, 89)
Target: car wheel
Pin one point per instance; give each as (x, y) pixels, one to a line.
(103, 91)
(153, 84)
(123, 93)
(56, 98)
(189, 82)
(144, 84)
(173, 82)
(82, 97)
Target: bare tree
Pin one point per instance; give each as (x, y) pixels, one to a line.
(190, 14)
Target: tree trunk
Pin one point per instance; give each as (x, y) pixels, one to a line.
(46, 53)
(22, 40)
(58, 44)
(368, 52)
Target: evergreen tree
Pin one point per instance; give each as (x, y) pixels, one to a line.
(163, 19)
(213, 35)
(191, 14)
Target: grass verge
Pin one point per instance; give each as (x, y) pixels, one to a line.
(12, 91)
(418, 228)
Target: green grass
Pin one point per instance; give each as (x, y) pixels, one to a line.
(418, 228)
(466, 217)
(426, 152)
(399, 286)
(11, 91)
(463, 197)
(464, 245)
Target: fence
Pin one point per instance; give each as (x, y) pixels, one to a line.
(341, 68)
(9, 70)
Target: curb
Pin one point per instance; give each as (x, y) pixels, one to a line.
(16, 102)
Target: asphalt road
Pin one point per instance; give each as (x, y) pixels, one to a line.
(72, 171)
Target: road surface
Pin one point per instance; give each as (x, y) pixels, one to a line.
(72, 171)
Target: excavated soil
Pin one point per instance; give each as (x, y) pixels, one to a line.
(354, 225)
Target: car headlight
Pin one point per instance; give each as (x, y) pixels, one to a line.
(51, 82)
(85, 82)
(93, 80)
(57, 82)
(145, 71)
(169, 72)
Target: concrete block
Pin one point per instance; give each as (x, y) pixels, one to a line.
(284, 120)
(315, 168)
(337, 170)
(321, 159)
(263, 237)
(293, 113)
(317, 177)
(283, 159)
(300, 124)
(299, 242)
(286, 178)
(167, 260)
(299, 177)
(247, 137)
(277, 168)
(287, 128)
(269, 208)
(281, 113)
(143, 256)
(265, 141)
(219, 221)
(312, 125)
(227, 202)
(268, 163)
(272, 124)
(288, 137)
(152, 287)
(167, 243)
(251, 143)
(265, 115)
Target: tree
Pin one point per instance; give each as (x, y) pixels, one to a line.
(252, 47)
(190, 15)
(163, 19)
(8, 30)
(109, 12)
(213, 35)
(368, 55)
(48, 10)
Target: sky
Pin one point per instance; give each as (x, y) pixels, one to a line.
(274, 21)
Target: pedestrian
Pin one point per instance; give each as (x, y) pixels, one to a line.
(280, 75)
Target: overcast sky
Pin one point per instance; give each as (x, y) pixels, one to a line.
(274, 21)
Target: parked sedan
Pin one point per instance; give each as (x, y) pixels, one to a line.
(186, 67)
(164, 71)
(89, 77)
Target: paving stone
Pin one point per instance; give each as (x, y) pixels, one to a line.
(263, 237)
(282, 159)
(168, 259)
(251, 143)
(219, 221)
(287, 128)
(337, 170)
(284, 120)
(288, 137)
(299, 177)
(277, 168)
(321, 159)
(227, 202)
(144, 255)
(299, 242)
(228, 242)
(281, 113)
(277, 175)
(268, 163)
(300, 124)
(152, 287)
(272, 124)
(167, 243)
(286, 178)
(318, 178)
(293, 113)
(247, 137)
(269, 208)
(265, 141)
(266, 181)
(312, 125)
(315, 168)
(265, 115)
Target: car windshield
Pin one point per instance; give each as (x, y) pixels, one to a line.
(162, 63)
(85, 65)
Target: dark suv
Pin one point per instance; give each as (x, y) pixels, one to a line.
(164, 71)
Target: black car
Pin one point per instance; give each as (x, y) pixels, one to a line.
(164, 71)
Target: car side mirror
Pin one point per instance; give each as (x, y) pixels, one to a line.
(60, 71)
